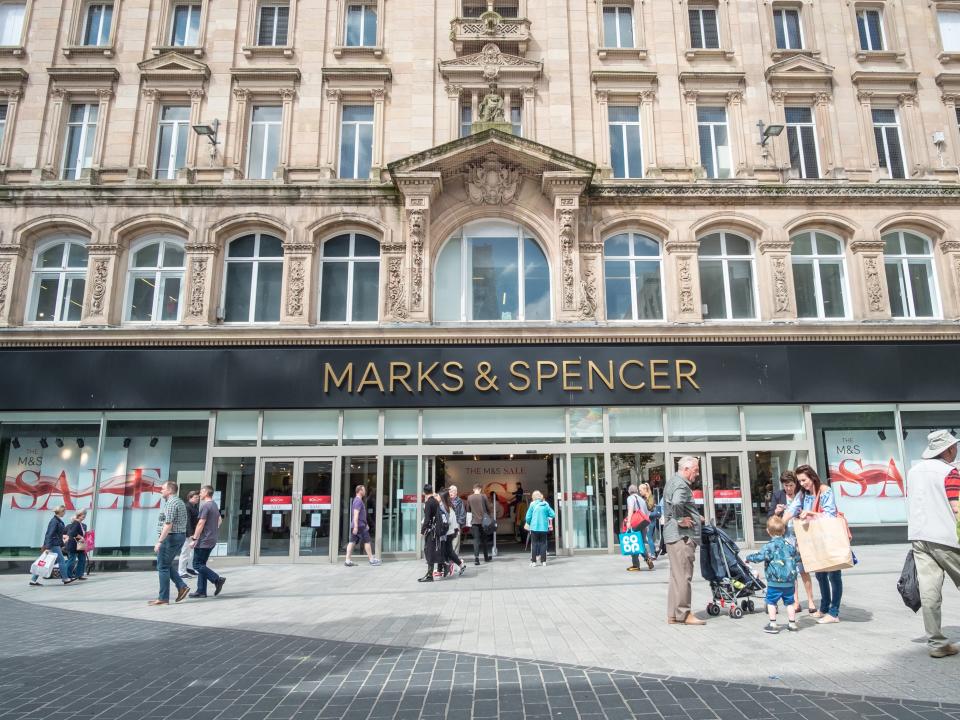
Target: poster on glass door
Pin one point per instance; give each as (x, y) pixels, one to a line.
(866, 476)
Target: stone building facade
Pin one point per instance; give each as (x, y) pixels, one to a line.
(635, 190)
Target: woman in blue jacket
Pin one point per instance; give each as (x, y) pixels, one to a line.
(539, 515)
(53, 541)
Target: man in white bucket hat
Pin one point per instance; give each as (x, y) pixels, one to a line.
(933, 492)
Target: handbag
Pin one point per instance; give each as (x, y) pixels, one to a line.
(81, 545)
(637, 518)
(43, 565)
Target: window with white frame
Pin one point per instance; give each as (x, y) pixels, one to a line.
(626, 147)
(632, 268)
(492, 270)
(173, 127)
(908, 260)
(466, 118)
(96, 24)
(787, 28)
(516, 117)
(949, 22)
(802, 142)
(356, 141)
(12, 14)
(79, 140)
(3, 122)
(361, 25)
(185, 25)
(714, 138)
(266, 124)
(59, 279)
(704, 28)
(886, 133)
(618, 26)
(349, 279)
(818, 276)
(254, 275)
(870, 29)
(273, 20)
(726, 277)
(155, 281)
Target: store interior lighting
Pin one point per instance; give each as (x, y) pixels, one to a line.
(881, 434)
(153, 442)
(44, 444)
(59, 442)
(80, 443)
(126, 442)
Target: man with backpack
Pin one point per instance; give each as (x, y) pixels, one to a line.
(481, 523)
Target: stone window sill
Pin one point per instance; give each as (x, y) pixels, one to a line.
(880, 56)
(781, 53)
(708, 53)
(15, 50)
(949, 56)
(105, 50)
(341, 50)
(268, 50)
(615, 52)
(189, 49)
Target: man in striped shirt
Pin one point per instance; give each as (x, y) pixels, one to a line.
(172, 533)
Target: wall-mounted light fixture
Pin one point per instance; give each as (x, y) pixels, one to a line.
(210, 133)
(767, 132)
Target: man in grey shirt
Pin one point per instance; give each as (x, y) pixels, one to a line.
(681, 533)
(204, 541)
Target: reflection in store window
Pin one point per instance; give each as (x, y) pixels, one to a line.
(232, 481)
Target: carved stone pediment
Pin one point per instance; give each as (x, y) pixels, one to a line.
(173, 67)
(488, 65)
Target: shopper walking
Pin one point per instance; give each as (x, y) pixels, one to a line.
(481, 519)
(779, 502)
(76, 546)
(815, 499)
(460, 510)
(53, 540)
(434, 531)
(359, 530)
(204, 540)
(171, 534)
(538, 517)
(186, 552)
(681, 533)
(933, 494)
(450, 558)
(636, 504)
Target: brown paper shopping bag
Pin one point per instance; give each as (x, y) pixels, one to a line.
(824, 543)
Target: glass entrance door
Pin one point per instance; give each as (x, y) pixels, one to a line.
(295, 509)
(719, 491)
(358, 471)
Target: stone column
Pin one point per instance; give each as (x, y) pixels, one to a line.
(950, 101)
(407, 294)
(101, 283)
(196, 96)
(566, 211)
(237, 143)
(59, 98)
(776, 269)
(911, 126)
(681, 265)
(13, 99)
(868, 261)
(779, 146)
(103, 119)
(868, 153)
(744, 162)
(603, 98)
(528, 117)
(591, 280)
(453, 98)
(11, 257)
(376, 162)
(201, 270)
(648, 125)
(950, 269)
(333, 123)
(142, 170)
(287, 96)
(829, 150)
(692, 148)
(297, 269)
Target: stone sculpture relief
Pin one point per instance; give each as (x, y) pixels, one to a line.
(686, 285)
(4, 283)
(416, 221)
(874, 284)
(588, 295)
(492, 182)
(296, 284)
(101, 269)
(568, 236)
(396, 296)
(198, 280)
(781, 296)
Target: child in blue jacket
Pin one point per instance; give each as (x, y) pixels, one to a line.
(780, 560)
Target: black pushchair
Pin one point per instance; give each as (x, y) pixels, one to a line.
(729, 576)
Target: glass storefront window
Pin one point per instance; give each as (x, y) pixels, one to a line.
(444, 426)
(45, 466)
(858, 451)
(400, 498)
(634, 469)
(361, 427)
(401, 427)
(233, 483)
(300, 427)
(774, 422)
(917, 424)
(358, 471)
(138, 457)
(237, 428)
(765, 468)
(703, 424)
(586, 424)
(586, 501)
(640, 424)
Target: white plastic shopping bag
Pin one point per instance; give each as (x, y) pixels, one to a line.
(43, 565)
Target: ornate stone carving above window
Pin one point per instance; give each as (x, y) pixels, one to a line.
(490, 65)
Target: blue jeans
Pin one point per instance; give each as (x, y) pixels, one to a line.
(831, 590)
(166, 560)
(61, 561)
(77, 563)
(204, 574)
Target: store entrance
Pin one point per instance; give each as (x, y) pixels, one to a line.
(720, 491)
(508, 481)
(295, 509)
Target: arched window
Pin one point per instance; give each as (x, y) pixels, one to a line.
(349, 279)
(155, 281)
(818, 276)
(254, 276)
(632, 272)
(726, 277)
(908, 260)
(492, 270)
(59, 279)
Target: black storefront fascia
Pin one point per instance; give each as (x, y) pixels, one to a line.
(508, 375)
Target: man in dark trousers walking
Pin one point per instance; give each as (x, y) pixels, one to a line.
(204, 540)
(480, 511)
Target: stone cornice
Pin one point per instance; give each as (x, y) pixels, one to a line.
(827, 191)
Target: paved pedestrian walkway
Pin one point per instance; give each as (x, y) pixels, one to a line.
(585, 611)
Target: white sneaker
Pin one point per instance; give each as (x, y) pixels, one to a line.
(533, 564)
(376, 561)
(827, 620)
(349, 563)
(544, 562)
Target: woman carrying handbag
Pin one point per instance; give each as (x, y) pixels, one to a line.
(637, 521)
(434, 531)
(77, 547)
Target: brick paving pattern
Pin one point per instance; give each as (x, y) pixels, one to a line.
(127, 669)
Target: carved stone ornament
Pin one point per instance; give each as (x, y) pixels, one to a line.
(492, 182)
(4, 283)
(396, 296)
(491, 59)
(874, 284)
(101, 268)
(588, 294)
(198, 281)
(566, 222)
(686, 285)
(296, 284)
(780, 296)
(416, 222)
